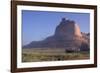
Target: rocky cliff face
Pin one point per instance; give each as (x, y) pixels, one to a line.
(67, 35)
(68, 28)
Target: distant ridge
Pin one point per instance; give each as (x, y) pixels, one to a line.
(67, 35)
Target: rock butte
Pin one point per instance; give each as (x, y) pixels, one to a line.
(68, 28)
(67, 35)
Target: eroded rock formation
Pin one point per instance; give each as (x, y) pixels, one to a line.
(67, 35)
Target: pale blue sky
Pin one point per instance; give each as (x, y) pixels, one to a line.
(37, 25)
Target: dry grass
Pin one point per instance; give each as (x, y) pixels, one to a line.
(36, 55)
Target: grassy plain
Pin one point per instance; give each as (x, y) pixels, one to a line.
(47, 54)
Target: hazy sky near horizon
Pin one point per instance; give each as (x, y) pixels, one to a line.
(37, 25)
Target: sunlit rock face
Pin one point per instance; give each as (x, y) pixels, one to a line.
(68, 28)
(67, 35)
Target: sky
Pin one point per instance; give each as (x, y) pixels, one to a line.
(37, 25)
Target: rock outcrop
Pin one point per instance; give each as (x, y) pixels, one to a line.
(68, 28)
(67, 35)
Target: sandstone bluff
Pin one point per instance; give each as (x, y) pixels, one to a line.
(67, 36)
